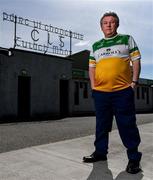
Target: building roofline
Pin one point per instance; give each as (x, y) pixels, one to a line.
(33, 52)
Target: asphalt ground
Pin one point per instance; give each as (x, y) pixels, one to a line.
(20, 135)
(63, 160)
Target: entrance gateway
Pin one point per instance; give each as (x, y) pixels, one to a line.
(40, 36)
(47, 39)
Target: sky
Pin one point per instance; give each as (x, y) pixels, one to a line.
(82, 16)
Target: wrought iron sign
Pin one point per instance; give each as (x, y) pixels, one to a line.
(55, 46)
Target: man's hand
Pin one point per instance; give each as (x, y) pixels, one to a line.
(133, 85)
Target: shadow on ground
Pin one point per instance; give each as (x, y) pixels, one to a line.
(101, 171)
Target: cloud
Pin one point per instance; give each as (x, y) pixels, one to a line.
(82, 43)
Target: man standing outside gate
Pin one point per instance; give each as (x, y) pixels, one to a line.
(113, 82)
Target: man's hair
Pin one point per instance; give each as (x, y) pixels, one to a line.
(110, 14)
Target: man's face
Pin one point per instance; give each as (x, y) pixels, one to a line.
(109, 26)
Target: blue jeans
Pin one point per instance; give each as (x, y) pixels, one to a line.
(121, 105)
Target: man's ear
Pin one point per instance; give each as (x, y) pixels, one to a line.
(101, 28)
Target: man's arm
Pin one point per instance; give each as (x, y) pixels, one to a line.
(136, 72)
(92, 76)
